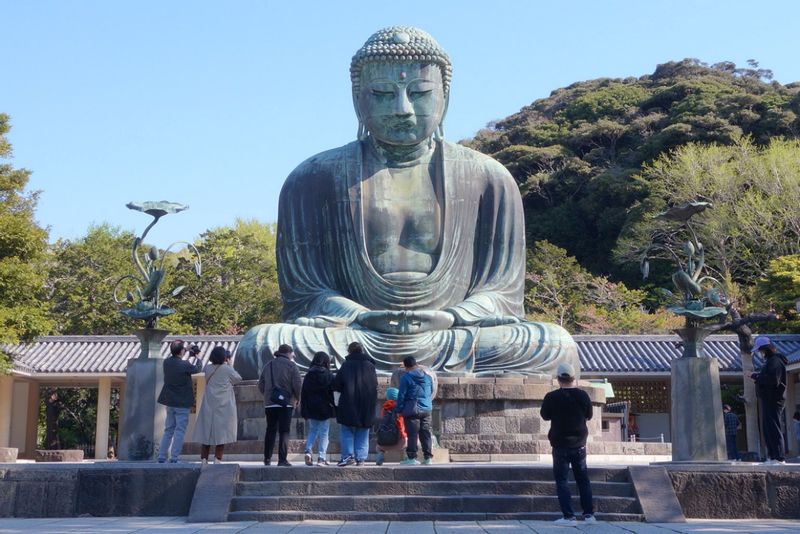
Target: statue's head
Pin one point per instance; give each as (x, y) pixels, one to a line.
(401, 85)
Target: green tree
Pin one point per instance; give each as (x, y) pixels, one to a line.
(779, 289)
(82, 275)
(22, 251)
(574, 154)
(239, 286)
(755, 193)
(559, 290)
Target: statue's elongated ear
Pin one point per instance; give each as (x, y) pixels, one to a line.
(439, 133)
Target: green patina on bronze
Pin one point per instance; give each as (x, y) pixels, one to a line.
(403, 241)
(699, 297)
(143, 290)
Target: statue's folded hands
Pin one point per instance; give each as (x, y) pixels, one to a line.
(406, 322)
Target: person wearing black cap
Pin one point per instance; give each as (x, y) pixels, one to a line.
(280, 383)
(771, 391)
(568, 408)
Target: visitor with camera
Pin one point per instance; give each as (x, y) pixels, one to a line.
(177, 395)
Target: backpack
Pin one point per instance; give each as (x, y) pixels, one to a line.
(388, 431)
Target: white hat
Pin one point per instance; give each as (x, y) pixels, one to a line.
(761, 342)
(565, 370)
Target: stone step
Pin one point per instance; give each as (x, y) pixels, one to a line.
(395, 487)
(451, 472)
(416, 516)
(425, 503)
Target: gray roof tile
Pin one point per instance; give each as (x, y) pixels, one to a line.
(612, 354)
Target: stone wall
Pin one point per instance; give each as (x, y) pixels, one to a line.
(737, 492)
(111, 489)
(477, 419)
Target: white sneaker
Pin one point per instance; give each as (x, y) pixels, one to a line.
(217, 461)
(204, 463)
(590, 519)
(564, 522)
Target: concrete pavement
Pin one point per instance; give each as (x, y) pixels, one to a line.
(178, 525)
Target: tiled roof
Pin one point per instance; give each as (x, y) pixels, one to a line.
(97, 354)
(611, 354)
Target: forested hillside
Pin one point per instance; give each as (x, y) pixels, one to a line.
(578, 155)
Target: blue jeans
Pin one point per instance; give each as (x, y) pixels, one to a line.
(318, 429)
(174, 431)
(562, 459)
(355, 442)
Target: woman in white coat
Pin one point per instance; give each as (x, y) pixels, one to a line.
(216, 422)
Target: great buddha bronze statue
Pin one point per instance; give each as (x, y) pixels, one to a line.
(402, 241)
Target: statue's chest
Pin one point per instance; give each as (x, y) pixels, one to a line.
(402, 208)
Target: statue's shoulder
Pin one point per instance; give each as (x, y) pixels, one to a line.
(324, 166)
(493, 169)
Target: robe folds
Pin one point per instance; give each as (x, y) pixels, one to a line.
(326, 274)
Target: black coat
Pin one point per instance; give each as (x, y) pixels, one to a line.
(316, 398)
(177, 391)
(357, 382)
(771, 381)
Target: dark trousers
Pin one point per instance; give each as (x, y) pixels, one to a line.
(418, 426)
(772, 418)
(562, 459)
(730, 444)
(279, 421)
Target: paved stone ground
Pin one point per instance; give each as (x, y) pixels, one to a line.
(178, 525)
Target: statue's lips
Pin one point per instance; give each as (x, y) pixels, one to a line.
(400, 125)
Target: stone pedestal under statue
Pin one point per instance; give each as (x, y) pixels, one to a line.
(698, 433)
(142, 417)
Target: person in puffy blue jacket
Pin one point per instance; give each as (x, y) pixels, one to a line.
(415, 404)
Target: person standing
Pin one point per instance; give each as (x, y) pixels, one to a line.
(771, 391)
(732, 425)
(177, 395)
(389, 411)
(357, 384)
(568, 408)
(280, 383)
(415, 404)
(796, 423)
(316, 406)
(217, 422)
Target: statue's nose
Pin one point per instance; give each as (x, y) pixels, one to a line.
(403, 104)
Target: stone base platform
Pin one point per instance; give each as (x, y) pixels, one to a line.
(396, 493)
(475, 419)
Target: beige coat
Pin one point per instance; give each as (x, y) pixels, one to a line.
(216, 421)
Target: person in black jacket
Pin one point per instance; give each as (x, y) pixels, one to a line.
(178, 396)
(316, 406)
(280, 383)
(568, 408)
(357, 384)
(771, 391)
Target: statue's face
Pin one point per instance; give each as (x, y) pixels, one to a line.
(401, 103)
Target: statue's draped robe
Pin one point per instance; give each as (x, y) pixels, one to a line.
(325, 271)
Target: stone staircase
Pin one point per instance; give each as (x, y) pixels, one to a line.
(413, 493)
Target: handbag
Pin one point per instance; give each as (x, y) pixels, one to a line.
(278, 396)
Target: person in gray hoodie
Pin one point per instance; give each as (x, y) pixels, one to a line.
(415, 404)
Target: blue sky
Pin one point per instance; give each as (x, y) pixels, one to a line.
(212, 104)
